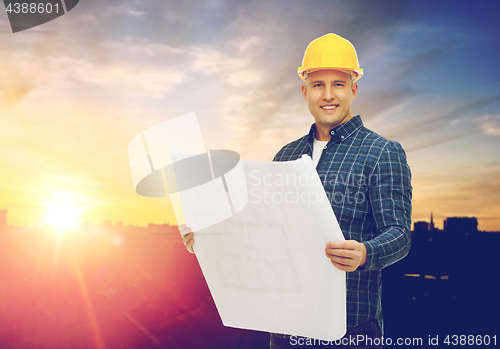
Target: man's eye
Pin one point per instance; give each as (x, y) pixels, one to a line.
(339, 85)
(317, 85)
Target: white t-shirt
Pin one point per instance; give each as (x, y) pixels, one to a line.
(318, 147)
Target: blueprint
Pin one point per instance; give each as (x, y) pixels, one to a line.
(266, 266)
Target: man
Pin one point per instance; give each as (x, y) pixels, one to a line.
(367, 181)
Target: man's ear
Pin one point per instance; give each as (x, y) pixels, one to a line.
(304, 92)
(354, 89)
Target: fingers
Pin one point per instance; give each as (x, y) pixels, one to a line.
(344, 267)
(342, 263)
(344, 259)
(346, 255)
(340, 252)
(184, 230)
(345, 245)
(187, 237)
(341, 255)
(190, 243)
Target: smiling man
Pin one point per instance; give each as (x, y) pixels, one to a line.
(367, 180)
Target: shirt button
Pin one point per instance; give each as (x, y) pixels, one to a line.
(332, 132)
(324, 147)
(342, 137)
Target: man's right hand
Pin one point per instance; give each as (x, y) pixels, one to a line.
(187, 237)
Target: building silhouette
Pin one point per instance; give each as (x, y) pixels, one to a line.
(461, 225)
(419, 227)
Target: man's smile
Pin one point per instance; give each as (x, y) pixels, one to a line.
(329, 107)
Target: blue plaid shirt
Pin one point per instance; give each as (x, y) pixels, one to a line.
(367, 180)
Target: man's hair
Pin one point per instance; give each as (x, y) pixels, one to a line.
(352, 75)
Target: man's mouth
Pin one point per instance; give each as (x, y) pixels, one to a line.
(329, 107)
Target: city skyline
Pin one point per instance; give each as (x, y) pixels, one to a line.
(431, 225)
(76, 90)
(132, 290)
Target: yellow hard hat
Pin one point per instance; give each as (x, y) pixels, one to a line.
(330, 51)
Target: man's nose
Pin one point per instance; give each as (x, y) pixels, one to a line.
(328, 94)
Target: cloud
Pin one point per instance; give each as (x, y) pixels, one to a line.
(208, 60)
(489, 124)
(136, 13)
(142, 49)
(236, 102)
(13, 90)
(249, 44)
(231, 66)
(132, 78)
(17, 78)
(421, 125)
(246, 77)
(122, 72)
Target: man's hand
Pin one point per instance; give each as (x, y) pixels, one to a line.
(346, 255)
(187, 237)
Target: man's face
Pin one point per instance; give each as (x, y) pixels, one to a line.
(329, 94)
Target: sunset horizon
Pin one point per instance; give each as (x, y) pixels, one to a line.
(76, 90)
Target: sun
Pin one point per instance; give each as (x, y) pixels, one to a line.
(63, 215)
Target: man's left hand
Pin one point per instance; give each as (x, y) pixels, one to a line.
(346, 255)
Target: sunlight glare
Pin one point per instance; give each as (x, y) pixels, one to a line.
(63, 215)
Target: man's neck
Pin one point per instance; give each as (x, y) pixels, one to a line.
(321, 136)
(323, 131)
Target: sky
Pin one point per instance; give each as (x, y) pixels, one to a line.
(76, 90)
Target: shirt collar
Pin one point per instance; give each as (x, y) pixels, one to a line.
(341, 132)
